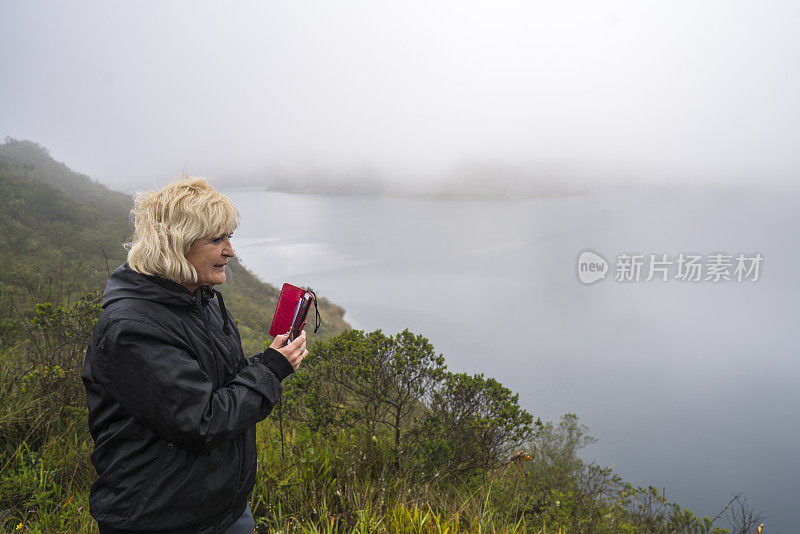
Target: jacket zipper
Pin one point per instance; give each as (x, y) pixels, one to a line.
(239, 440)
(207, 330)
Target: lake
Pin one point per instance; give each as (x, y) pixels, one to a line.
(688, 386)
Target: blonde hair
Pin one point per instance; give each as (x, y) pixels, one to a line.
(168, 221)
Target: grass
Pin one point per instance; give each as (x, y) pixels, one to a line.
(45, 471)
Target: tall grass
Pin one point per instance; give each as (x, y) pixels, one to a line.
(45, 472)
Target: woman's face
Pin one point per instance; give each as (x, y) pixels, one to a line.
(208, 256)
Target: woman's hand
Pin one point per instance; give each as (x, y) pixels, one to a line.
(295, 351)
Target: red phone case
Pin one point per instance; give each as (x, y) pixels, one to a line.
(284, 311)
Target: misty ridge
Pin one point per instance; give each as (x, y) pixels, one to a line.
(485, 179)
(476, 180)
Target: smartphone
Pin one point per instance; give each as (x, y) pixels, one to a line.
(291, 310)
(300, 314)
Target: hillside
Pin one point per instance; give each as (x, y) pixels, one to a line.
(63, 233)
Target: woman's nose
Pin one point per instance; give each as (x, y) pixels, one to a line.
(228, 250)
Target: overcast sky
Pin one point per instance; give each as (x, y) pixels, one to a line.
(134, 93)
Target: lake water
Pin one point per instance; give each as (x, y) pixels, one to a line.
(688, 386)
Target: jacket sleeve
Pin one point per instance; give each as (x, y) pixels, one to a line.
(274, 361)
(160, 384)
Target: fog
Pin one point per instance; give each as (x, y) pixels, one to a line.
(631, 92)
(577, 95)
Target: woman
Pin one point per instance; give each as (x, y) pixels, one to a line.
(172, 400)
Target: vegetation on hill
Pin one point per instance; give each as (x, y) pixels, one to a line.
(374, 433)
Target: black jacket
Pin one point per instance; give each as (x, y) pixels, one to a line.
(173, 405)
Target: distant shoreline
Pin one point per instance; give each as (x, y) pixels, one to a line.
(506, 195)
(496, 195)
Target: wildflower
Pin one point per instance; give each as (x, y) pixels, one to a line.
(518, 459)
(521, 456)
(19, 526)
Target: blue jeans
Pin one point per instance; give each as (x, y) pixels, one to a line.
(244, 525)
